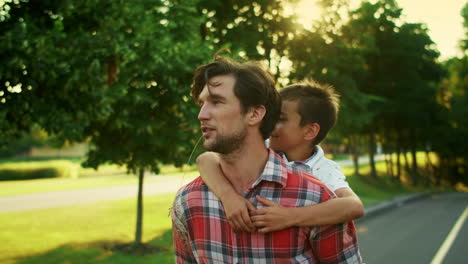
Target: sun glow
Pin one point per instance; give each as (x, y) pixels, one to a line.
(442, 18)
(306, 11)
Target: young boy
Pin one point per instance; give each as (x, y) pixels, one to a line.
(308, 112)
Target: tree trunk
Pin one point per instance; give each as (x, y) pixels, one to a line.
(112, 69)
(407, 166)
(414, 165)
(431, 170)
(373, 171)
(398, 164)
(439, 171)
(355, 153)
(389, 164)
(139, 219)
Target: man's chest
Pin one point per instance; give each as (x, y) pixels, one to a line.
(212, 238)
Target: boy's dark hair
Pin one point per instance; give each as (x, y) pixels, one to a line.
(253, 87)
(317, 103)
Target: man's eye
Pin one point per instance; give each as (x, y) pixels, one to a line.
(215, 102)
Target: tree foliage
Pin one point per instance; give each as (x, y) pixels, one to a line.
(115, 73)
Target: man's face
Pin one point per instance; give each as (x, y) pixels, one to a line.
(288, 133)
(222, 123)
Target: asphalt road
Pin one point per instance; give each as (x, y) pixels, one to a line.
(415, 232)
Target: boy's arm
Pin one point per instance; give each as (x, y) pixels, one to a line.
(343, 209)
(346, 207)
(236, 207)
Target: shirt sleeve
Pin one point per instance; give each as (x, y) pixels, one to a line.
(183, 251)
(335, 243)
(333, 176)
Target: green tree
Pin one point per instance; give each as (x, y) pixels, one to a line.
(116, 73)
(333, 56)
(401, 70)
(256, 30)
(451, 145)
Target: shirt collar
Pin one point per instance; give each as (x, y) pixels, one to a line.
(275, 170)
(310, 161)
(318, 154)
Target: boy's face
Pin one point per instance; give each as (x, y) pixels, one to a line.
(288, 134)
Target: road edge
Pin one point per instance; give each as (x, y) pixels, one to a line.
(381, 207)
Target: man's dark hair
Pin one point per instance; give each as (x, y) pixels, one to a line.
(253, 87)
(317, 103)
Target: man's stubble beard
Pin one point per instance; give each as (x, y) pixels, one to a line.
(227, 144)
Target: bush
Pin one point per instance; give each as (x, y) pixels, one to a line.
(38, 170)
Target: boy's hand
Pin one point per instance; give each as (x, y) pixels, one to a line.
(274, 217)
(237, 212)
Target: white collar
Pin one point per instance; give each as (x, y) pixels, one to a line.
(310, 161)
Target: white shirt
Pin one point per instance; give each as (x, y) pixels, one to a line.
(326, 170)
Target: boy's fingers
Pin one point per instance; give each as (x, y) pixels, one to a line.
(247, 221)
(258, 218)
(259, 223)
(251, 207)
(234, 224)
(261, 211)
(266, 201)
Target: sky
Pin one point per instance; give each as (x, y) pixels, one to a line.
(442, 17)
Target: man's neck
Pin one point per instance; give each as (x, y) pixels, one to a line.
(243, 167)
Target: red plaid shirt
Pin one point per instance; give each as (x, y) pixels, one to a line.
(202, 233)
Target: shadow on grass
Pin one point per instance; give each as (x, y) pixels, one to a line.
(103, 252)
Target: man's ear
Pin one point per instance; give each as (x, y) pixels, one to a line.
(311, 131)
(256, 114)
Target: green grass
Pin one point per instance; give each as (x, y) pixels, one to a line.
(86, 233)
(383, 188)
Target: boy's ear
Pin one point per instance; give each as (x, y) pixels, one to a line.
(311, 131)
(256, 114)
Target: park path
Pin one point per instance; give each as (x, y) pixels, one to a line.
(160, 185)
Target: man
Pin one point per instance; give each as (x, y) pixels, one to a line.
(239, 109)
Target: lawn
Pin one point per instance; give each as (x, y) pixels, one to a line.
(85, 233)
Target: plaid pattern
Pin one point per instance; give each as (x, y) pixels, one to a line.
(202, 233)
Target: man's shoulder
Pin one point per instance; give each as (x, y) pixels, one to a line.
(195, 185)
(193, 189)
(304, 181)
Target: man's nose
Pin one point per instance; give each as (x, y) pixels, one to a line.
(204, 113)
